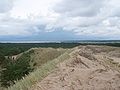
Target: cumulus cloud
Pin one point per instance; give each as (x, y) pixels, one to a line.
(5, 5)
(13, 27)
(90, 17)
(85, 8)
(84, 17)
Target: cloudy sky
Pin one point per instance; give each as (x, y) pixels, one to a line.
(59, 19)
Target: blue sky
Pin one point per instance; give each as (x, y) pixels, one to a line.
(59, 19)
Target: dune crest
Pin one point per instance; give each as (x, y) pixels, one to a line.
(89, 68)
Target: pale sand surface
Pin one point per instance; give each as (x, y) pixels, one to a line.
(89, 68)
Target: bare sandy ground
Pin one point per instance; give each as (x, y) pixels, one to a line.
(89, 68)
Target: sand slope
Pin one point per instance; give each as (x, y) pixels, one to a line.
(89, 68)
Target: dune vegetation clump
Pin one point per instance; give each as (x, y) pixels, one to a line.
(40, 73)
(15, 70)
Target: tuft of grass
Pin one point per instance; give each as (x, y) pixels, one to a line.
(39, 73)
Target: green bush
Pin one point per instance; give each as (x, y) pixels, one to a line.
(15, 70)
(2, 58)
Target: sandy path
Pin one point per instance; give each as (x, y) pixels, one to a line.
(87, 69)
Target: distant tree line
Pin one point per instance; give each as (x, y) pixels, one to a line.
(15, 48)
(9, 49)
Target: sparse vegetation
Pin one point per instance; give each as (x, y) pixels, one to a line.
(39, 74)
(14, 70)
(43, 55)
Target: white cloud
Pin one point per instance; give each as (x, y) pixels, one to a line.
(5, 5)
(32, 8)
(85, 8)
(84, 17)
(91, 17)
(27, 17)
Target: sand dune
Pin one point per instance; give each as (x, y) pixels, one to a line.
(89, 68)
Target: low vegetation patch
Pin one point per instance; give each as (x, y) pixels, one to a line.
(39, 74)
(43, 55)
(15, 70)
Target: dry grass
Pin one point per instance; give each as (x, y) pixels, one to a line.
(39, 73)
(43, 55)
